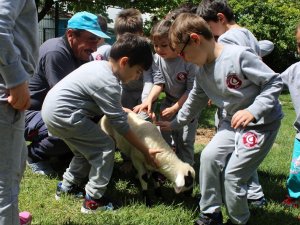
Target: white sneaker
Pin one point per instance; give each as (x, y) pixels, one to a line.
(42, 168)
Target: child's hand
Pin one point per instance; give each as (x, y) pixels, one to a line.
(168, 113)
(209, 103)
(145, 106)
(164, 125)
(19, 97)
(241, 118)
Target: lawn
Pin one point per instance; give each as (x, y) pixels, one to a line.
(37, 193)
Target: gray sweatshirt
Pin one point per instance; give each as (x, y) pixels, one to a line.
(236, 80)
(18, 43)
(291, 77)
(91, 90)
(176, 75)
(242, 37)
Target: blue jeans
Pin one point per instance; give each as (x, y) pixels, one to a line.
(12, 162)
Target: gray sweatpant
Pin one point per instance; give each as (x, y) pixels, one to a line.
(227, 164)
(183, 139)
(255, 190)
(93, 156)
(13, 153)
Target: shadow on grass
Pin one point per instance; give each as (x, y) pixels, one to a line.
(271, 184)
(265, 217)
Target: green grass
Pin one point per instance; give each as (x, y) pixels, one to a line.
(37, 192)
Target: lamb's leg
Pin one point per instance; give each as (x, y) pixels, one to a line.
(159, 180)
(143, 178)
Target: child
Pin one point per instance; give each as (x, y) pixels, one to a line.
(175, 77)
(291, 77)
(130, 20)
(220, 18)
(236, 79)
(90, 91)
(103, 48)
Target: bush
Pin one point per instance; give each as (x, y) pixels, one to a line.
(274, 20)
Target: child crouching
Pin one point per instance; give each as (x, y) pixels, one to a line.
(70, 109)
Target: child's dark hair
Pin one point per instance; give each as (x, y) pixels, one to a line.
(103, 23)
(135, 47)
(184, 25)
(183, 8)
(129, 20)
(208, 10)
(160, 29)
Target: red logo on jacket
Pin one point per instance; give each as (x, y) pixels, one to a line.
(99, 57)
(249, 139)
(233, 81)
(182, 76)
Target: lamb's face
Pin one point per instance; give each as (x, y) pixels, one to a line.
(185, 179)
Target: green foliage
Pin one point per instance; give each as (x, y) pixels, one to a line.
(272, 20)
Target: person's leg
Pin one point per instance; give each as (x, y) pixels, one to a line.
(255, 194)
(12, 162)
(42, 146)
(293, 182)
(184, 142)
(93, 156)
(212, 162)
(251, 148)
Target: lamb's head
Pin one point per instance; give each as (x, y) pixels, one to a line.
(185, 178)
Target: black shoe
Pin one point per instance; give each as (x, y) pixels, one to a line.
(257, 203)
(74, 190)
(210, 219)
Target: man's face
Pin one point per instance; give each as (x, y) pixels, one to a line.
(83, 45)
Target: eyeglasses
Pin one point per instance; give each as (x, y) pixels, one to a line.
(185, 44)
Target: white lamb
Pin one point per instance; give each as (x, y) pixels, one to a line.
(180, 173)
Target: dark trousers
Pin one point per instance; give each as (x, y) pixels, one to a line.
(42, 146)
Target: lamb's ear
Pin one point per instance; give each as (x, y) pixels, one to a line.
(188, 180)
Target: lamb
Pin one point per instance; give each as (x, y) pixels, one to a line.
(181, 174)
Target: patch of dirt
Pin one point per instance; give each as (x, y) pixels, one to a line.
(204, 135)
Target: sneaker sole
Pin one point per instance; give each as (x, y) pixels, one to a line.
(57, 198)
(89, 211)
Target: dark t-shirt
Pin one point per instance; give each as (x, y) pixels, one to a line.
(56, 60)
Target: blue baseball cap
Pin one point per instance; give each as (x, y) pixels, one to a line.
(86, 21)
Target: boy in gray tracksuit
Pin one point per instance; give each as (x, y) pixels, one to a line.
(291, 78)
(220, 18)
(234, 78)
(91, 91)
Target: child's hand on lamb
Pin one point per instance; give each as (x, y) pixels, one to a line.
(164, 125)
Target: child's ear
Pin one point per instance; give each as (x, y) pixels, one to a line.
(123, 61)
(221, 17)
(195, 38)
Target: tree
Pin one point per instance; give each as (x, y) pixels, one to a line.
(274, 20)
(99, 7)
